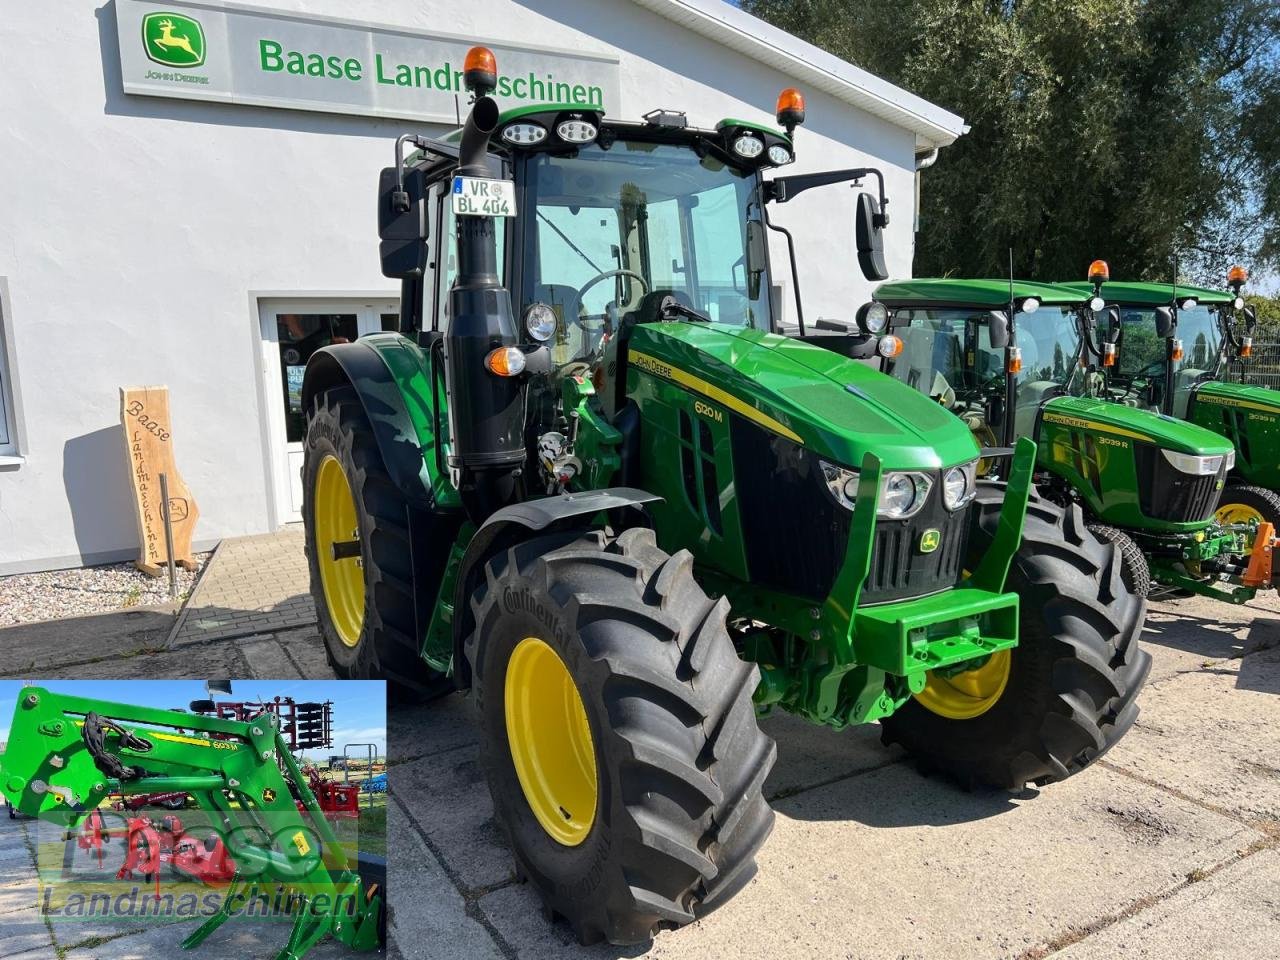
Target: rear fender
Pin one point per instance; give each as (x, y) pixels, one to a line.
(509, 526)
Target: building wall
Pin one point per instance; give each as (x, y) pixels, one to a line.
(135, 228)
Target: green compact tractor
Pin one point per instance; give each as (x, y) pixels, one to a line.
(588, 481)
(1016, 360)
(1172, 347)
(66, 755)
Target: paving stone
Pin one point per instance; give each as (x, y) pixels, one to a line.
(1194, 633)
(1234, 913)
(21, 894)
(428, 916)
(24, 931)
(1213, 734)
(809, 755)
(267, 659)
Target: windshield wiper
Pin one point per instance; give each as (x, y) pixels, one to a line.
(673, 309)
(572, 246)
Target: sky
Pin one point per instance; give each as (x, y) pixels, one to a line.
(359, 706)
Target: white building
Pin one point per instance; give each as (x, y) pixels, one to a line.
(176, 201)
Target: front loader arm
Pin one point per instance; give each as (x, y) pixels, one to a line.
(67, 754)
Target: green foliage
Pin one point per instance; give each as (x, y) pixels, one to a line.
(1268, 316)
(1121, 129)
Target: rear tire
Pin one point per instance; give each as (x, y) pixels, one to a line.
(1134, 569)
(386, 646)
(679, 762)
(1074, 676)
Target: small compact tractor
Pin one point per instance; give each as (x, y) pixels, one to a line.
(68, 754)
(589, 481)
(1017, 359)
(1171, 349)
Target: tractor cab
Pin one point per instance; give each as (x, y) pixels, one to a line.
(1156, 343)
(989, 351)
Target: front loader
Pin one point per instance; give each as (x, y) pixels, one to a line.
(591, 483)
(1015, 360)
(66, 755)
(1173, 345)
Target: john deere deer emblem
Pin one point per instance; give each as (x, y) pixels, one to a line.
(930, 540)
(173, 40)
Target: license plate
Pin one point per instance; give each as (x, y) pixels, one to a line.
(479, 197)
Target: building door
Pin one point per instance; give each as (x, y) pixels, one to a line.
(292, 330)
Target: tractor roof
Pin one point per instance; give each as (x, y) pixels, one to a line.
(1150, 294)
(973, 293)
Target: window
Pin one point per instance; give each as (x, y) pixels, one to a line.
(447, 252)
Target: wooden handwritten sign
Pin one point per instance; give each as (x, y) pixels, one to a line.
(144, 412)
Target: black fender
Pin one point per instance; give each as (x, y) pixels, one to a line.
(361, 366)
(517, 522)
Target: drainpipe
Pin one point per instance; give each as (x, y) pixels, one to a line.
(924, 161)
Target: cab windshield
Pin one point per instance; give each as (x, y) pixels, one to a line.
(1201, 341)
(613, 231)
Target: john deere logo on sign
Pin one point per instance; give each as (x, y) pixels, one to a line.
(929, 541)
(173, 40)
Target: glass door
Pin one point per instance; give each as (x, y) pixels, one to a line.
(291, 332)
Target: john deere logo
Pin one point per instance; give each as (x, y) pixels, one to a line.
(173, 40)
(929, 541)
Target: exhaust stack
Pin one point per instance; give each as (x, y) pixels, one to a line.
(486, 411)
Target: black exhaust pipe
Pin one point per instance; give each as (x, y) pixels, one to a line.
(486, 411)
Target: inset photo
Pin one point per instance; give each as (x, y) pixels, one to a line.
(221, 818)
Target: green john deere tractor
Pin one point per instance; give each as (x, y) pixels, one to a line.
(1173, 346)
(66, 755)
(590, 483)
(1016, 360)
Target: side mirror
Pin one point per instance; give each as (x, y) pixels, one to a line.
(402, 224)
(998, 329)
(757, 255)
(1250, 319)
(870, 239)
(1165, 322)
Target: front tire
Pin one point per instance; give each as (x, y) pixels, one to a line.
(1242, 503)
(1069, 689)
(1134, 569)
(619, 734)
(363, 592)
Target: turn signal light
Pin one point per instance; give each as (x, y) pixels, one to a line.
(1099, 272)
(505, 362)
(1237, 274)
(889, 347)
(790, 109)
(1175, 350)
(1108, 354)
(1246, 346)
(1014, 364)
(480, 70)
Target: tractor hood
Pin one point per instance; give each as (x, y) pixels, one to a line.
(1106, 417)
(839, 408)
(1260, 400)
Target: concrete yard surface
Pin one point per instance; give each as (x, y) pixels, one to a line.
(1167, 848)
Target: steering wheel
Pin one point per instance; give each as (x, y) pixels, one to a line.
(609, 275)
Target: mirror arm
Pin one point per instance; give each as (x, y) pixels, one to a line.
(782, 189)
(791, 251)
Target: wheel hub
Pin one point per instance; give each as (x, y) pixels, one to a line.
(969, 694)
(550, 741)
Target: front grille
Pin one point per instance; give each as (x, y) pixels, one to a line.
(796, 534)
(898, 567)
(1166, 493)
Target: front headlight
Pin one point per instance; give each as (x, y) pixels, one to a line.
(1231, 460)
(903, 494)
(959, 485)
(1189, 463)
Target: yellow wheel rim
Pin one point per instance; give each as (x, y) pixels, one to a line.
(1237, 513)
(550, 742)
(336, 523)
(969, 694)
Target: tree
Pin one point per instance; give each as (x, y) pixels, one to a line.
(1132, 130)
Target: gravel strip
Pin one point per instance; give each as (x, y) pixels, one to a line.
(28, 597)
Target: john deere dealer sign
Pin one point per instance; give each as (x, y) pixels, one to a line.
(273, 58)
